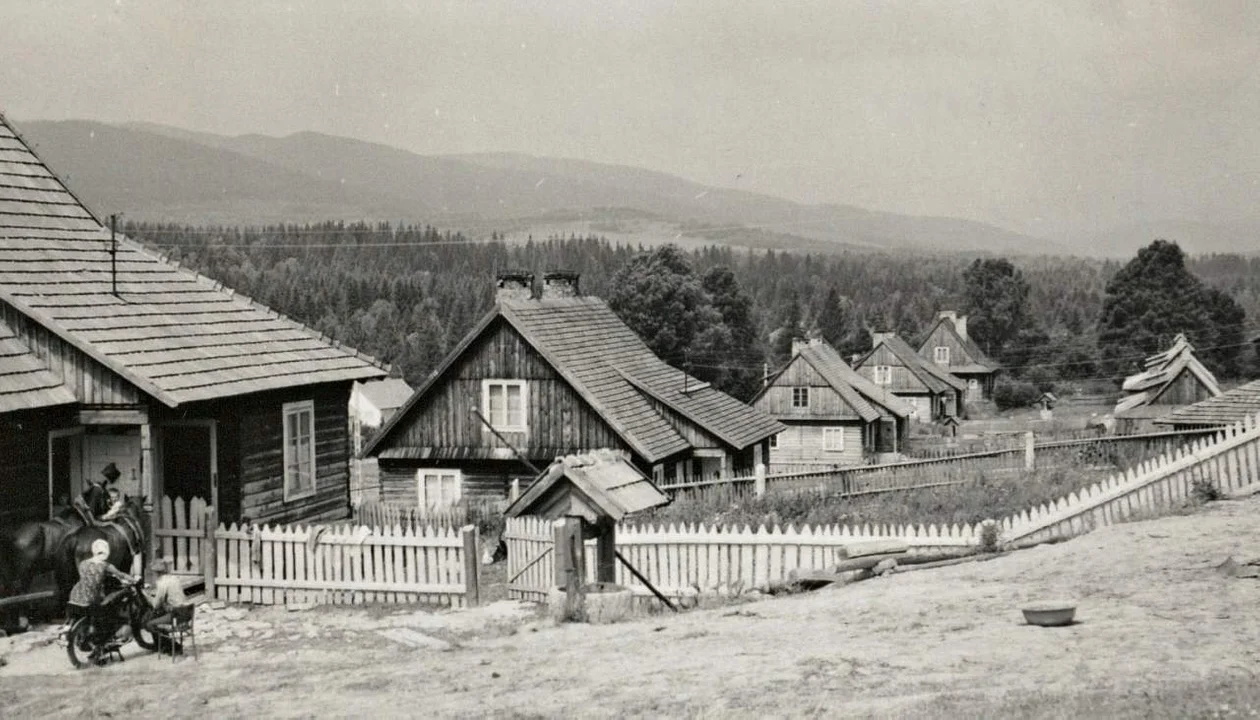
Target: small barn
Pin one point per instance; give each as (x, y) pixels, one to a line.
(1228, 408)
(110, 353)
(1169, 380)
(833, 415)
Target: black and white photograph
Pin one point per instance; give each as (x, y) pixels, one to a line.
(629, 359)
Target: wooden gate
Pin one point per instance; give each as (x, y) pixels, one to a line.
(531, 568)
(183, 534)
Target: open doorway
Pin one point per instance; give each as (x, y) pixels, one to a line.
(187, 461)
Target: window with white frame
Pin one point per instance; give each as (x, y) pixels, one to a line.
(940, 354)
(883, 375)
(437, 489)
(503, 404)
(833, 439)
(299, 450)
(800, 397)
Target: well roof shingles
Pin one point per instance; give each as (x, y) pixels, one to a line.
(176, 335)
(1225, 409)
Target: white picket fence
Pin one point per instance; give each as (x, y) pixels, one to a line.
(180, 531)
(712, 559)
(344, 565)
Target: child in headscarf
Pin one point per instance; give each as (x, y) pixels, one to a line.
(87, 593)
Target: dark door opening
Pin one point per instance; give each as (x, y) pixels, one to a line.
(186, 461)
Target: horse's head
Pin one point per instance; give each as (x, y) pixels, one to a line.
(96, 497)
(134, 506)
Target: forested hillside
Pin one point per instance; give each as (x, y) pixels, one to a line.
(408, 294)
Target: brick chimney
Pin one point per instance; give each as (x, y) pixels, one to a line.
(798, 344)
(960, 323)
(560, 283)
(514, 285)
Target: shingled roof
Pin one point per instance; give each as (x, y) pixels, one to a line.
(172, 333)
(616, 374)
(1229, 407)
(25, 381)
(980, 363)
(869, 400)
(1160, 370)
(930, 374)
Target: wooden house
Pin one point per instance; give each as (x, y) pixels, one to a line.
(561, 374)
(893, 365)
(1228, 408)
(1170, 379)
(111, 354)
(834, 416)
(948, 347)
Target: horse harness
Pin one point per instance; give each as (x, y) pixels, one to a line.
(128, 529)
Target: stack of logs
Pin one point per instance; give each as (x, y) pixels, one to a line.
(865, 559)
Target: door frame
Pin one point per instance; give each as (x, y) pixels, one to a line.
(211, 425)
(54, 435)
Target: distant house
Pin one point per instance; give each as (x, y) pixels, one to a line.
(561, 374)
(1228, 408)
(948, 346)
(111, 354)
(893, 365)
(373, 403)
(1169, 380)
(834, 416)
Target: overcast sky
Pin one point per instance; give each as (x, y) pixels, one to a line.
(1044, 116)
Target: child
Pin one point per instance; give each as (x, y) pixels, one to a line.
(115, 505)
(87, 593)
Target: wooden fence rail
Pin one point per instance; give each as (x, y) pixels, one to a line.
(347, 565)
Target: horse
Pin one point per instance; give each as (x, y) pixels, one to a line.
(31, 548)
(127, 535)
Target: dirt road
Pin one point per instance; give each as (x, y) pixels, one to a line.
(1160, 632)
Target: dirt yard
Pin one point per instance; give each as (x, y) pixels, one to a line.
(1160, 633)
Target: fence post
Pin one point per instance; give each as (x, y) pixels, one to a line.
(759, 479)
(1030, 452)
(569, 557)
(472, 568)
(209, 552)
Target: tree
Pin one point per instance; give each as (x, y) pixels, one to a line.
(832, 321)
(789, 329)
(995, 300)
(1154, 297)
(743, 371)
(659, 296)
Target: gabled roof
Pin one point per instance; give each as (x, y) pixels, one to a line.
(931, 375)
(1161, 370)
(175, 335)
(980, 363)
(615, 373)
(25, 382)
(865, 397)
(1227, 408)
(386, 394)
(606, 485)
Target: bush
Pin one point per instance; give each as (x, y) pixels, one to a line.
(1008, 394)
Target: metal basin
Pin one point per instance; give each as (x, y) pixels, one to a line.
(1050, 614)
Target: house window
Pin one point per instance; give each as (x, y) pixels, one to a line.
(800, 397)
(774, 440)
(833, 439)
(503, 404)
(941, 354)
(883, 375)
(299, 450)
(437, 489)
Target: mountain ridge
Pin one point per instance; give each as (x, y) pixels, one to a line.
(163, 173)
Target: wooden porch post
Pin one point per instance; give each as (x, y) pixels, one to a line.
(606, 551)
(148, 487)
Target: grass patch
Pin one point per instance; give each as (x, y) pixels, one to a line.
(989, 496)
